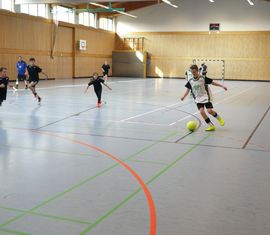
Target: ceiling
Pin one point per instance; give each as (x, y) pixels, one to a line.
(127, 5)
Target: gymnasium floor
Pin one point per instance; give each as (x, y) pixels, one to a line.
(67, 167)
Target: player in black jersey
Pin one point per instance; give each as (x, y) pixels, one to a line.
(33, 77)
(106, 68)
(96, 81)
(3, 84)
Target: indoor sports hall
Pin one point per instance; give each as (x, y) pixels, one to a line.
(135, 117)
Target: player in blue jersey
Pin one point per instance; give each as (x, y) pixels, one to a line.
(21, 72)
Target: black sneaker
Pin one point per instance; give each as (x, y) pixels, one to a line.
(26, 87)
(39, 100)
(17, 86)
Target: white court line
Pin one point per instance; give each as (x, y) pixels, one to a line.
(217, 103)
(153, 111)
(70, 86)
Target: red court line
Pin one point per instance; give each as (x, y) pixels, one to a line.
(150, 201)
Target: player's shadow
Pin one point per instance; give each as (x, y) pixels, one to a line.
(34, 119)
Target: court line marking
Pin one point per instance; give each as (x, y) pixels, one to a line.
(54, 217)
(217, 103)
(255, 129)
(143, 186)
(161, 108)
(61, 194)
(152, 111)
(65, 118)
(13, 232)
(121, 204)
(71, 86)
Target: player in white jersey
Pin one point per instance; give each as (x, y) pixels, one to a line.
(200, 90)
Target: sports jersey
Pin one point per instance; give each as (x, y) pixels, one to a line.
(21, 67)
(33, 72)
(106, 68)
(3, 90)
(96, 83)
(200, 89)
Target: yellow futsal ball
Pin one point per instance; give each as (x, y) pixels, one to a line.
(191, 125)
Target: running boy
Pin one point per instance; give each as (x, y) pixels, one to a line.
(33, 77)
(106, 68)
(21, 70)
(96, 82)
(3, 84)
(199, 87)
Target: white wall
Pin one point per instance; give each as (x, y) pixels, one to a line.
(195, 15)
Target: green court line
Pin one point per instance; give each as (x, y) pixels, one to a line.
(59, 195)
(150, 162)
(45, 215)
(121, 204)
(13, 232)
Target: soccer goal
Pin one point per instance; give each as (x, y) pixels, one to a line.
(215, 67)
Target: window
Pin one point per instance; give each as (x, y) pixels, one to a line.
(106, 23)
(87, 19)
(92, 20)
(35, 9)
(63, 14)
(42, 10)
(8, 5)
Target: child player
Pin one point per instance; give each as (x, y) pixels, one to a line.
(106, 68)
(3, 84)
(96, 82)
(21, 69)
(199, 87)
(33, 77)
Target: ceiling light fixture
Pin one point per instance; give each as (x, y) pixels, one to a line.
(169, 3)
(250, 2)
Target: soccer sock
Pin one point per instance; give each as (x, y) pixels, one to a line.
(17, 82)
(217, 116)
(208, 121)
(35, 94)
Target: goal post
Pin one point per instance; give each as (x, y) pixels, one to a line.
(215, 67)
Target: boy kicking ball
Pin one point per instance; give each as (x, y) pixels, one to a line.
(200, 90)
(96, 81)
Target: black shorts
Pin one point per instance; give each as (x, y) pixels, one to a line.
(105, 74)
(207, 105)
(34, 81)
(21, 77)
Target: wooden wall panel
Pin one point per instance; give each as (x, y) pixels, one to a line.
(31, 36)
(100, 45)
(245, 53)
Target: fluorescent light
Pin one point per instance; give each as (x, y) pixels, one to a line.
(211, 1)
(99, 5)
(106, 7)
(250, 2)
(169, 3)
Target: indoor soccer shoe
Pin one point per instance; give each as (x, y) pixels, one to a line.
(221, 121)
(99, 105)
(39, 100)
(210, 128)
